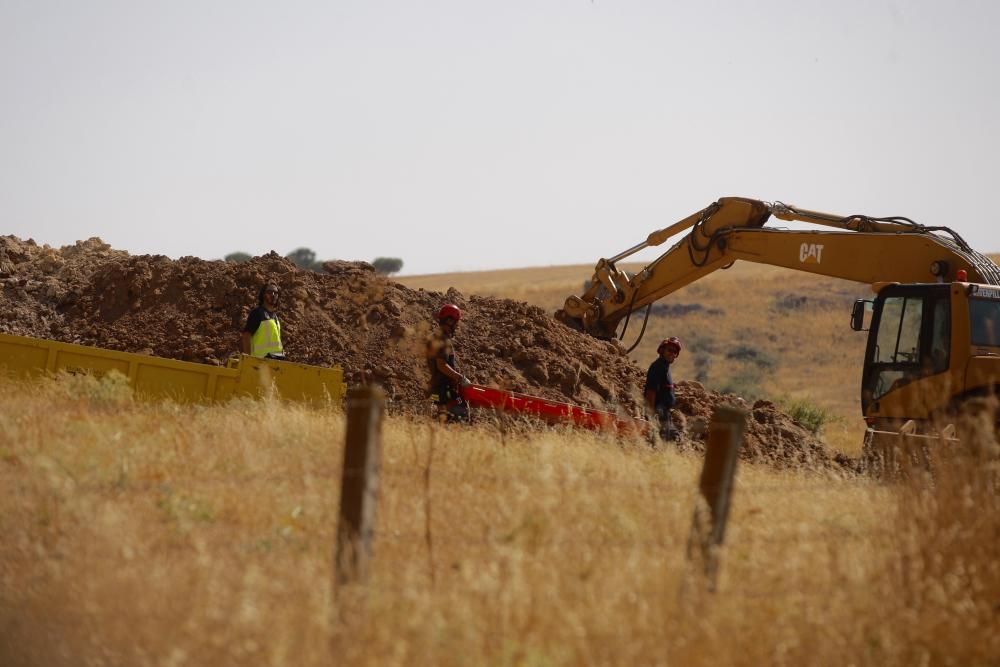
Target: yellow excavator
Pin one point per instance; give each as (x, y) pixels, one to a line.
(934, 325)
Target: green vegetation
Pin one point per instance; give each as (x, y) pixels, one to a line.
(752, 354)
(238, 257)
(702, 367)
(807, 413)
(387, 265)
(305, 258)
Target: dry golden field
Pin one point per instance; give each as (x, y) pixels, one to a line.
(158, 534)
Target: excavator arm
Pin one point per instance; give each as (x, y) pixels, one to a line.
(858, 248)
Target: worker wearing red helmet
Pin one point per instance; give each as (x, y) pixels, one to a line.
(659, 389)
(446, 381)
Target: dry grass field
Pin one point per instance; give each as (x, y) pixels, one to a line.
(162, 534)
(158, 534)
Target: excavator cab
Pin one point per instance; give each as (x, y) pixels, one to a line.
(909, 341)
(931, 347)
(932, 369)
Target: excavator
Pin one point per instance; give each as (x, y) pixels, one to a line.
(933, 325)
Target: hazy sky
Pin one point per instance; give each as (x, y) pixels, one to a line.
(464, 135)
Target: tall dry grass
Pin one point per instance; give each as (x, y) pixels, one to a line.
(157, 534)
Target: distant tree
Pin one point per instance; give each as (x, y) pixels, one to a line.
(304, 258)
(387, 265)
(238, 257)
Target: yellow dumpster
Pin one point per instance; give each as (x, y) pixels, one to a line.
(183, 381)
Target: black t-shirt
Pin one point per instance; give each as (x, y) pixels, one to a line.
(258, 315)
(439, 347)
(658, 379)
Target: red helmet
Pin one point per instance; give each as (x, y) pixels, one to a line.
(449, 310)
(673, 342)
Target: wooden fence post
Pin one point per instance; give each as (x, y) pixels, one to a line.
(359, 483)
(708, 527)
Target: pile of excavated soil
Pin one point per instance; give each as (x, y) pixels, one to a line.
(192, 309)
(770, 436)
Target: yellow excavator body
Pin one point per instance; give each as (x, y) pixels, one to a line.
(934, 330)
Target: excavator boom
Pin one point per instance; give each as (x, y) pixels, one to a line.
(857, 247)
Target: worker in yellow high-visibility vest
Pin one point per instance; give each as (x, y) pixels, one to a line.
(262, 332)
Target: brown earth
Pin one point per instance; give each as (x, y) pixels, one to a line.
(192, 309)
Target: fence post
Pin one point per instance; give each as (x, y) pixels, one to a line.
(359, 483)
(708, 527)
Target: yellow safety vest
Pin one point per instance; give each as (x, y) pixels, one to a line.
(267, 339)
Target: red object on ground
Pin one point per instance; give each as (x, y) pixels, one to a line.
(478, 396)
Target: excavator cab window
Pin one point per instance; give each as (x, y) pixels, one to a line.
(940, 343)
(898, 336)
(984, 316)
(910, 338)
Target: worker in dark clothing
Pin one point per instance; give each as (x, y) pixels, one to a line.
(262, 333)
(446, 383)
(659, 390)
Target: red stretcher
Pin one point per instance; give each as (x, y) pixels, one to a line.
(478, 396)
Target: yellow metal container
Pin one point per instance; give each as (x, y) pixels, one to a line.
(183, 381)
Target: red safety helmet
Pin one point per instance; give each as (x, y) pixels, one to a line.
(449, 310)
(673, 342)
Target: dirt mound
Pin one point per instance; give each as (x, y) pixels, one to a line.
(38, 281)
(770, 436)
(193, 309)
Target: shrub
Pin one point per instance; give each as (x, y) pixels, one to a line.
(753, 355)
(387, 265)
(305, 258)
(682, 309)
(788, 302)
(702, 365)
(807, 413)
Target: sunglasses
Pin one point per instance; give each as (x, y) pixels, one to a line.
(271, 291)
